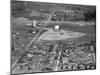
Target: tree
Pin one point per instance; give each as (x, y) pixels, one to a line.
(90, 15)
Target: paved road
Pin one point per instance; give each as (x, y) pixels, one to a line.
(56, 68)
(34, 39)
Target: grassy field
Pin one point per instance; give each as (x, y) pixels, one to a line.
(84, 29)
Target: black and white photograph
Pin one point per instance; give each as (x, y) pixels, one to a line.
(52, 37)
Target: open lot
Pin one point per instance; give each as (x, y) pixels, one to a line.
(38, 46)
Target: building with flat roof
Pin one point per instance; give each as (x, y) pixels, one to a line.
(56, 28)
